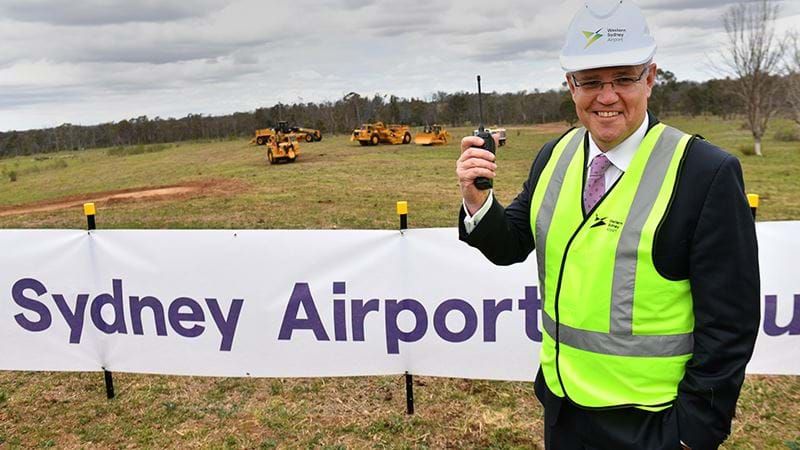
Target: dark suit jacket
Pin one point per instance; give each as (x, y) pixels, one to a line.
(708, 237)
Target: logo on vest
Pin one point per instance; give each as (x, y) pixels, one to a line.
(611, 225)
(598, 221)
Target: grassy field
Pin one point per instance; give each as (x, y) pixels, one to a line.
(334, 184)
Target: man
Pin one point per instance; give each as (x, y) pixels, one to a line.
(646, 253)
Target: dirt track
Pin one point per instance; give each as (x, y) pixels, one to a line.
(150, 193)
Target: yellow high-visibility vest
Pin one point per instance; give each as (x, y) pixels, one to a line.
(616, 331)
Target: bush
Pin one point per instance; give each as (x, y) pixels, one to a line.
(12, 175)
(787, 135)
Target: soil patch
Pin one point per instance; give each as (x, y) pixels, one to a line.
(183, 190)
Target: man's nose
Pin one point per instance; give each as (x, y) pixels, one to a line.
(607, 95)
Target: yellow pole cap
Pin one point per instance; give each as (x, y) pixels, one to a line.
(752, 199)
(88, 209)
(402, 208)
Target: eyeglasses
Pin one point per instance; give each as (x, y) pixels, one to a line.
(617, 84)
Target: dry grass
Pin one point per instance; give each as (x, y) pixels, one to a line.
(335, 184)
(69, 410)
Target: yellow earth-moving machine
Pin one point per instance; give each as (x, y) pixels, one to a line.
(378, 133)
(262, 135)
(309, 134)
(282, 147)
(302, 134)
(432, 135)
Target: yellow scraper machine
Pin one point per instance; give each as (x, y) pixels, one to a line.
(282, 147)
(263, 134)
(309, 134)
(302, 134)
(378, 133)
(432, 135)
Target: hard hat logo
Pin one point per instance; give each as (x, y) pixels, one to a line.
(591, 37)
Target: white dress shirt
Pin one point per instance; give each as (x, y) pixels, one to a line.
(619, 156)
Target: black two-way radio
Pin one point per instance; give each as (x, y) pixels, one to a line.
(483, 183)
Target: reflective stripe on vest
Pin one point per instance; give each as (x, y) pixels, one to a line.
(572, 142)
(602, 295)
(620, 344)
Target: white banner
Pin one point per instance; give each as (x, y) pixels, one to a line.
(303, 304)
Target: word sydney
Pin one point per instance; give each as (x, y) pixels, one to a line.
(186, 316)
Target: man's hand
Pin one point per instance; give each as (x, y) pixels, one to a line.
(474, 162)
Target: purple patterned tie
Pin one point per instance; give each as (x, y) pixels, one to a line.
(596, 184)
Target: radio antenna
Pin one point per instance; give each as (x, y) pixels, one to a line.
(483, 183)
(480, 107)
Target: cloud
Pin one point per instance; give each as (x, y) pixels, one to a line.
(91, 61)
(708, 21)
(683, 5)
(104, 12)
(222, 34)
(405, 25)
(518, 48)
(24, 96)
(350, 4)
(99, 80)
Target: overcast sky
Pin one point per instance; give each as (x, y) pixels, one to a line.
(92, 61)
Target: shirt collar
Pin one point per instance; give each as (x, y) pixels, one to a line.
(621, 155)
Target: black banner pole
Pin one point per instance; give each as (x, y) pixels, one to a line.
(90, 211)
(109, 384)
(409, 394)
(402, 211)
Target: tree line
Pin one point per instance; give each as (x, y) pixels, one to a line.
(670, 97)
(762, 71)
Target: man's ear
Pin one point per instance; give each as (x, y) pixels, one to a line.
(651, 74)
(651, 78)
(570, 85)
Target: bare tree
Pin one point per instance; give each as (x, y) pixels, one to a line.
(793, 75)
(753, 55)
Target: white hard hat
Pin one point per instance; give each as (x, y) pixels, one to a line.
(607, 33)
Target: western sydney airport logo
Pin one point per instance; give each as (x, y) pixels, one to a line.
(614, 35)
(592, 37)
(599, 221)
(612, 225)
